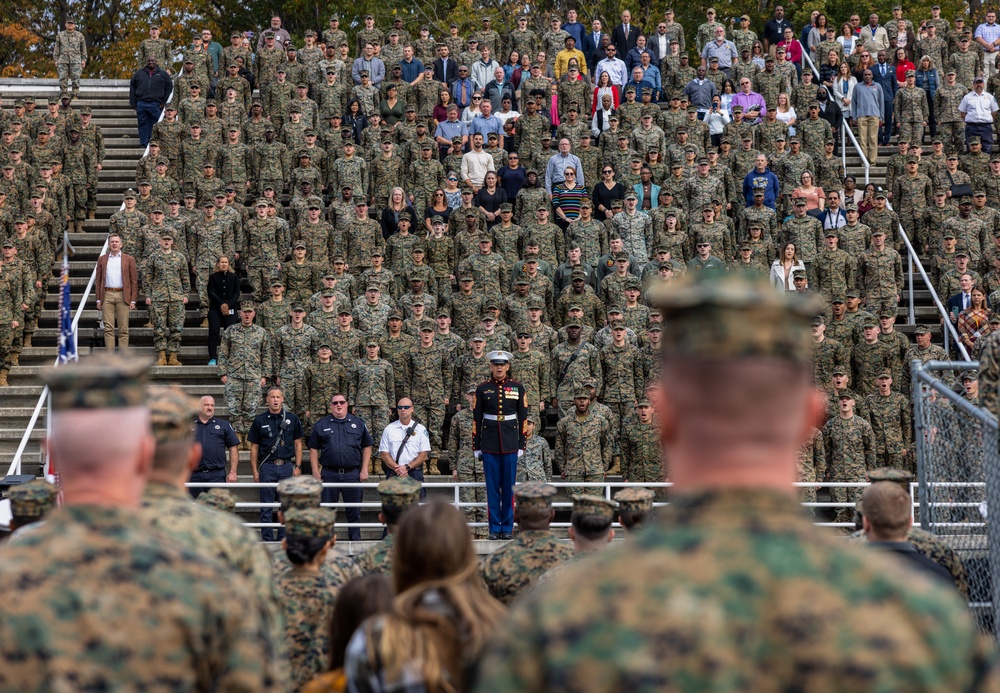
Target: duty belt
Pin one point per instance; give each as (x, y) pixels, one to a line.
(278, 463)
(499, 417)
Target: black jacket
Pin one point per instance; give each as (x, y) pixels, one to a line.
(223, 288)
(155, 87)
(623, 44)
(447, 76)
(508, 399)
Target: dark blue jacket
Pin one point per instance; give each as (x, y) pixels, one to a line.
(766, 180)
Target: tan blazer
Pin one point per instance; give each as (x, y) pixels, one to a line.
(130, 278)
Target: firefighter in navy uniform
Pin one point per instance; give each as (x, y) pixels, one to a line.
(499, 417)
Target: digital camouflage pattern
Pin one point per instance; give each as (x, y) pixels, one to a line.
(667, 610)
(512, 569)
(163, 625)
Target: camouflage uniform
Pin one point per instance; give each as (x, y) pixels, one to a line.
(642, 454)
(536, 462)
(469, 469)
(850, 451)
(892, 425)
(167, 285)
(430, 379)
(70, 53)
(511, 570)
(293, 351)
(586, 364)
(909, 110)
(244, 360)
(880, 278)
(322, 381)
(208, 240)
(396, 494)
(371, 391)
(583, 448)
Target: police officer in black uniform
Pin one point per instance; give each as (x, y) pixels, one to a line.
(499, 417)
(340, 448)
(215, 436)
(275, 452)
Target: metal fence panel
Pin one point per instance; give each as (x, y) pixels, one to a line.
(959, 475)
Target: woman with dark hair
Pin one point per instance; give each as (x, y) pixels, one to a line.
(489, 198)
(223, 303)
(440, 113)
(606, 191)
(442, 616)
(357, 600)
(902, 64)
(307, 596)
(784, 267)
(392, 109)
(355, 119)
(974, 322)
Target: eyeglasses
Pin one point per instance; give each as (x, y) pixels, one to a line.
(339, 403)
(404, 406)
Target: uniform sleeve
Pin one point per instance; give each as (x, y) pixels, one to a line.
(230, 436)
(477, 420)
(522, 416)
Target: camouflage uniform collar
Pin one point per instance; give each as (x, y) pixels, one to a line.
(736, 507)
(161, 489)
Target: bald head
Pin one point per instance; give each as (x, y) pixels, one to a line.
(103, 455)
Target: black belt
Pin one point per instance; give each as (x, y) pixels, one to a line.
(276, 463)
(340, 470)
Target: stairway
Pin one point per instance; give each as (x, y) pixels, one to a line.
(109, 101)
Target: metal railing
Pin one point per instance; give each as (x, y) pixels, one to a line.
(15, 464)
(845, 132)
(605, 489)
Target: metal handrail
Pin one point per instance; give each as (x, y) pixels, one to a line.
(846, 132)
(15, 464)
(914, 261)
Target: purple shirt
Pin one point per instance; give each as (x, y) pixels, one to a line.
(747, 101)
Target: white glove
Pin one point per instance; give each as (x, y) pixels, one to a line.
(519, 453)
(478, 454)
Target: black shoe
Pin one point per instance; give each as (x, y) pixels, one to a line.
(506, 535)
(494, 535)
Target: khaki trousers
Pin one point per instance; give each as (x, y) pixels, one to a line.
(868, 137)
(114, 312)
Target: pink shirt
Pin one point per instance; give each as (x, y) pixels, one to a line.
(793, 50)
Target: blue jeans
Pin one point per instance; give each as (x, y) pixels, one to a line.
(147, 113)
(349, 495)
(500, 471)
(269, 474)
(206, 476)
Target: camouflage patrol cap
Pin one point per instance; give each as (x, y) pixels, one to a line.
(635, 499)
(315, 523)
(104, 381)
(399, 493)
(427, 326)
(171, 412)
(130, 194)
(736, 316)
(846, 394)
(219, 498)
(922, 329)
(33, 499)
(300, 492)
(971, 374)
(534, 496)
(593, 505)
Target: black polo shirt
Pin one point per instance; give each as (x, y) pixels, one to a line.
(340, 441)
(216, 437)
(266, 429)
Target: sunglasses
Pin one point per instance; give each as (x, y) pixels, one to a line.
(339, 403)
(609, 171)
(404, 406)
(477, 98)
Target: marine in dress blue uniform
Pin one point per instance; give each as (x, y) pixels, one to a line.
(216, 436)
(286, 461)
(340, 447)
(499, 418)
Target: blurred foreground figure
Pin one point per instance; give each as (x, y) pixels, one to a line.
(734, 589)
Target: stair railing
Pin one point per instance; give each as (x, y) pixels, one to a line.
(15, 464)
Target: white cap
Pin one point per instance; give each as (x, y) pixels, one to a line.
(499, 356)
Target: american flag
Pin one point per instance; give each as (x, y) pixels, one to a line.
(67, 335)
